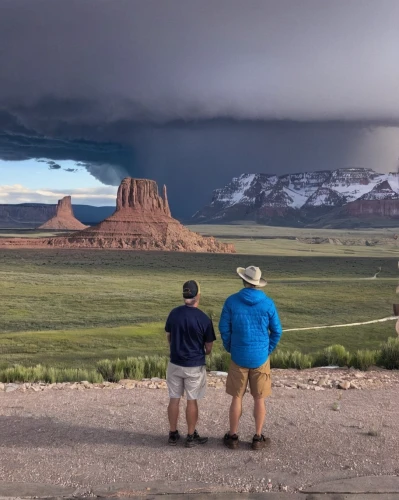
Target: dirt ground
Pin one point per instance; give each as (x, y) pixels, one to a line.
(91, 437)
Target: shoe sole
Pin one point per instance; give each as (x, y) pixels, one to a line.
(194, 443)
(172, 444)
(231, 446)
(260, 445)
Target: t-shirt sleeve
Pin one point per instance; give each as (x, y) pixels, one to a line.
(168, 326)
(209, 333)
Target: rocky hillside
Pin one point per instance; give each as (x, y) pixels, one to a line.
(304, 198)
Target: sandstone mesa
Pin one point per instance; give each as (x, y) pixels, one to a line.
(142, 221)
(64, 218)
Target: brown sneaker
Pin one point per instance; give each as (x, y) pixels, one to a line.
(260, 442)
(231, 441)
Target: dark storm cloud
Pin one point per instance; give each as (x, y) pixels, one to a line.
(189, 91)
(54, 166)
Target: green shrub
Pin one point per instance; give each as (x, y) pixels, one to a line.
(104, 368)
(40, 373)
(279, 359)
(133, 368)
(363, 359)
(336, 355)
(286, 359)
(389, 354)
(218, 361)
(155, 366)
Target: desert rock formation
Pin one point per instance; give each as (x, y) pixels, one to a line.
(141, 221)
(63, 218)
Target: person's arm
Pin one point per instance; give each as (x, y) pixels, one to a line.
(208, 347)
(225, 327)
(209, 337)
(168, 329)
(275, 329)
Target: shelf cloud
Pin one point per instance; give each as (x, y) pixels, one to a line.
(194, 91)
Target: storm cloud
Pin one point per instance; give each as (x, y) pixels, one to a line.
(191, 92)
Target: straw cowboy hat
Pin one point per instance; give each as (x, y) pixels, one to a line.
(251, 275)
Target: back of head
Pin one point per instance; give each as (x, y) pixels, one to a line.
(191, 293)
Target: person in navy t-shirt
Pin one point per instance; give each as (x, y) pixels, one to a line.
(191, 335)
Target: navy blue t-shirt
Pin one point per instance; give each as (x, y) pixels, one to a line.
(189, 329)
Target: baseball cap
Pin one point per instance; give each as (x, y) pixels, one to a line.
(191, 289)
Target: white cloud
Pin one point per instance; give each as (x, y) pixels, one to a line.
(17, 193)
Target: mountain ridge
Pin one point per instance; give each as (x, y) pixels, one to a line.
(304, 198)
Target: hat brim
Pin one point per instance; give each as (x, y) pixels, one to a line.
(241, 274)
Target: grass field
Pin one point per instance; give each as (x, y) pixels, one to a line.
(71, 308)
(255, 239)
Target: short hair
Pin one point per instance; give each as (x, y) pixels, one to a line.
(248, 285)
(191, 302)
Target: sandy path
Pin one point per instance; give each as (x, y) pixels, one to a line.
(93, 437)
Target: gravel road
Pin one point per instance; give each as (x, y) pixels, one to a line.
(91, 437)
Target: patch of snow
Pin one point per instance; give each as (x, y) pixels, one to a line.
(298, 198)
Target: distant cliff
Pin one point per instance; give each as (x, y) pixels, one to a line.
(31, 215)
(25, 215)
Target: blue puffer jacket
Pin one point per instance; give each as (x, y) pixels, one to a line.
(250, 327)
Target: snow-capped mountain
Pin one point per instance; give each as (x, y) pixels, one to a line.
(303, 196)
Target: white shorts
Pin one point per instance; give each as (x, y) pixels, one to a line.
(191, 379)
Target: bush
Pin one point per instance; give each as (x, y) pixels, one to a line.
(40, 373)
(218, 361)
(286, 359)
(336, 355)
(389, 354)
(133, 368)
(279, 359)
(363, 359)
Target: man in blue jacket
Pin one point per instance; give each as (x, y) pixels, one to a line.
(250, 329)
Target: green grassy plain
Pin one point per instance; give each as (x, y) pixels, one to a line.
(70, 308)
(253, 239)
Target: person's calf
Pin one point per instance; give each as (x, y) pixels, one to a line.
(259, 414)
(191, 415)
(173, 413)
(235, 414)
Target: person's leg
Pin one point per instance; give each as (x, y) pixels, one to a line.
(191, 415)
(195, 387)
(236, 384)
(259, 414)
(260, 384)
(235, 414)
(173, 413)
(175, 387)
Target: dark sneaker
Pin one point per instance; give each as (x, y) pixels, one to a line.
(173, 438)
(194, 439)
(231, 441)
(260, 442)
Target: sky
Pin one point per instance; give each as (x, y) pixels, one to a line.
(193, 92)
(45, 181)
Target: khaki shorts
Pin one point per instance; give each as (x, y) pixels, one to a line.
(191, 379)
(259, 379)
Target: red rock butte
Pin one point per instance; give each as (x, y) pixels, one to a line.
(141, 221)
(63, 218)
